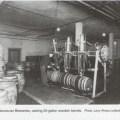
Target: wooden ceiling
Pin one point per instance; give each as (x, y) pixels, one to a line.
(39, 19)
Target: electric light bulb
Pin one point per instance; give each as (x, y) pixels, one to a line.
(104, 34)
(58, 29)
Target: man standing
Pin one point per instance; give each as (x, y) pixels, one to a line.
(43, 67)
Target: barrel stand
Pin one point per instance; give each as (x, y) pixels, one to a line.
(94, 94)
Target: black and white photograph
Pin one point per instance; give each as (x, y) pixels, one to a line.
(59, 52)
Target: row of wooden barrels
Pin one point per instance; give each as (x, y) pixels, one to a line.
(77, 82)
(10, 85)
(24, 66)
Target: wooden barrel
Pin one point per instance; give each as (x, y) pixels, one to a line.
(84, 83)
(12, 71)
(11, 89)
(60, 78)
(2, 63)
(73, 80)
(27, 67)
(21, 79)
(1, 52)
(3, 97)
(77, 82)
(1, 69)
(68, 83)
(54, 76)
(10, 78)
(2, 66)
(1, 55)
(80, 83)
(2, 74)
(19, 66)
(49, 73)
(27, 64)
(33, 65)
(9, 65)
(66, 79)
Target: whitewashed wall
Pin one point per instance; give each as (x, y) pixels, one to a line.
(42, 47)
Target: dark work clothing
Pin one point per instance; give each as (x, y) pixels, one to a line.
(43, 68)
(45, 61)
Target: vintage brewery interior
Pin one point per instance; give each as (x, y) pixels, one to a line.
(59, 52)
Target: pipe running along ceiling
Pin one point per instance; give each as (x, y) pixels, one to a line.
(39, 19)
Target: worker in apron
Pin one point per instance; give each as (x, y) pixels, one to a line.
(43, 68)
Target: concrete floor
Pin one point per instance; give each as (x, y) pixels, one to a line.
(112, 96)
(23, 99)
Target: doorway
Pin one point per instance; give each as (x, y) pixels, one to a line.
(14, 54)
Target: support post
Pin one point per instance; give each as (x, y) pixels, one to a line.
(95, 74)
(78, 32)
(105, 77)
(111, 47)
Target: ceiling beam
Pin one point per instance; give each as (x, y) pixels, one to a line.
(93, 8)
(105, 8)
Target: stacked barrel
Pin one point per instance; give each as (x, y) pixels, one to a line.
(8, 84)
(81, 83)
(21, 79)
(4, 97)
(2, 63)
(19, 66)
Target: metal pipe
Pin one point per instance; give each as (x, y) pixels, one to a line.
(113, 11)
(106, 9)
(95, 9)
